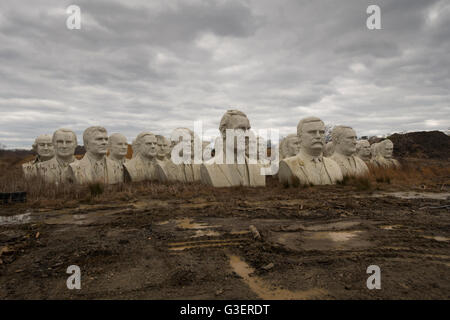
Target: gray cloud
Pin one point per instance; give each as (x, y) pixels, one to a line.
(156, 65)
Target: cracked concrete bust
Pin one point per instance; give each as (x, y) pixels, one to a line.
(344, 140)
(309, 166)
(43, 147)
(166, 170)
(289, 146)
(329, 149)
(95, 166)
(187, 172)
(383, 157)
(118, 148)
(217, 173)
(363, 150)
(142, 166)
(56, 170)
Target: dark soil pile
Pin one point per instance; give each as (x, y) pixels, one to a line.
(422, 144)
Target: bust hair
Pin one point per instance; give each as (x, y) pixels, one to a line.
(338, 132)
(64, 130)
(302, 122)
(226, 119)
(89, 132)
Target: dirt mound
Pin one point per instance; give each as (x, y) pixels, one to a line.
(422, 144)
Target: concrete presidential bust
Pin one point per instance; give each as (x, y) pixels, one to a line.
(344, 140)
(118, 148)
(309, 166)
(187, 172)
(166, 170)
(56, 170)
(216, 172)
(43, 147)
(383, 155)
(143, 164)
(95, 166)
(289, 146)
(363, 150)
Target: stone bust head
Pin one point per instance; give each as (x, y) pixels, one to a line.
(289, 146)
(363, 149)
(235, 120)
(344, 140)
(65, 143)
(374, 149)
(95, 141)
(386, 148)
(163, 147)
(180, 132)
(118, 146)
(43, 146)
(311, 132)
(146, 145)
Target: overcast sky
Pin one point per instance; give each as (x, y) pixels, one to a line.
(157, 65)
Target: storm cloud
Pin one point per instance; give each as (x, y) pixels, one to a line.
(157, 65)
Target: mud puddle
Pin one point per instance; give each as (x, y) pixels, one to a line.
(15, 219)
(266, 291)
(414, 195)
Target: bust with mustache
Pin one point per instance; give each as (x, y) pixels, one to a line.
(309, 166)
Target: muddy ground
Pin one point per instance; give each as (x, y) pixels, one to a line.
(314, 243)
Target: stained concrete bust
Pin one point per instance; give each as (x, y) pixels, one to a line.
(363, 150)
(309, 166)
(95, 166)
(43, 147)
(118, 148)
(56, 170)
(329, 149)
(344, 140)
(142, 166)
(216, 172)
(383, 157)
(166, 170)
(188, 172)
(289, 146)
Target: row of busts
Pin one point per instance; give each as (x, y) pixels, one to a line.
(307, 160)
(105, 161)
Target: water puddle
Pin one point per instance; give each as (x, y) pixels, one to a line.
(321, 240)
(80, 219)
(15, 219)
(187, 223)
(264, 290)
(205, 233)
(333, 226)
(414, 195)
(391, 227)
(180, 246)
(437, 238)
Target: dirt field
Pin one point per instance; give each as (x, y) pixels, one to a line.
(194, 242)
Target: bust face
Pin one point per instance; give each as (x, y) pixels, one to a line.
(293, 146)
(148, 147)
(387, 150)
(241, 125)
(313, 137)
(364, 149)
(163, 148)
(45, 148)
(98, 143)
(118, 147)
(347, 142)
(64, 144)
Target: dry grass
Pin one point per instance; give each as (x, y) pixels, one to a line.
(412, 175)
